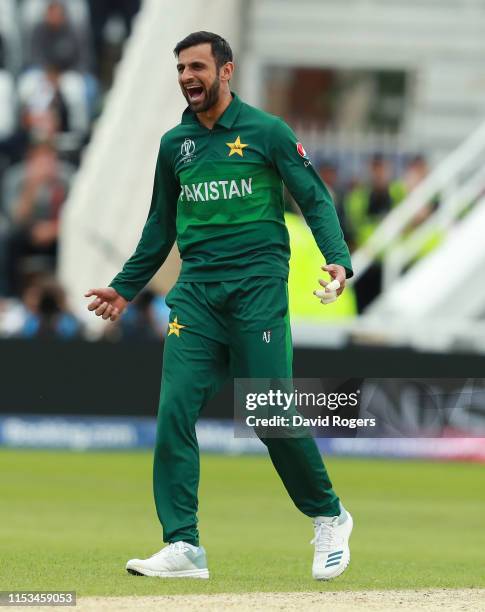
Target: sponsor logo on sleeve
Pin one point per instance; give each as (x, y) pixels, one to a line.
(302, 153)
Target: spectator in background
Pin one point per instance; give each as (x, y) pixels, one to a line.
(11, 48)
(58, 64)
(55, 44)
(146, 318)
(7, 98)
(46, 314)
(44, 110)
(36, 124)
(8, 113)
(34, 192)
(370, 201)
(328, 171)
(364, 207)
(4, 228)
(63, 93)
(41, 312)
(416, 171)
(101, 11)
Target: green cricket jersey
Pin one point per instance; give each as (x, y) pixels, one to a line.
(219, 193)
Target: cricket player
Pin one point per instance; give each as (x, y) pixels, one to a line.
(218, 191)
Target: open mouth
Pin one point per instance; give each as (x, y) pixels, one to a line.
(195, 92)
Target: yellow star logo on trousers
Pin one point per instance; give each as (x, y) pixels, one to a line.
(174, 327)
(236, 147)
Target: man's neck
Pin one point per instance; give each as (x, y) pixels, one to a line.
(209, 117)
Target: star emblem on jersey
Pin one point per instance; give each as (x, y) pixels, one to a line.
(236, 147)
(174, 327)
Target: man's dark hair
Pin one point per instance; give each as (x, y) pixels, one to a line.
(221, 50)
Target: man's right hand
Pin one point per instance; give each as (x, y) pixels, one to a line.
(108, 303)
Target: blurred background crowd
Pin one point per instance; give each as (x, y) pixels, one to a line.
(57, 63)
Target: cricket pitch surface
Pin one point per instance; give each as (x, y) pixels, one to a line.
(340, 601)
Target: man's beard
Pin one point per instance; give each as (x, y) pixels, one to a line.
(210, 100)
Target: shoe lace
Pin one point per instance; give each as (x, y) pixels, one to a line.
(175, 547)
(325, 536)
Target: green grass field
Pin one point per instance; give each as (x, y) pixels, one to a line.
(70, 521)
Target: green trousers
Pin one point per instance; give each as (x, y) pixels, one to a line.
(215, 332)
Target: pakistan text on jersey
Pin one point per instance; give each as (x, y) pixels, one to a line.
(216, 190)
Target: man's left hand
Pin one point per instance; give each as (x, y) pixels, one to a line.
(331, 289)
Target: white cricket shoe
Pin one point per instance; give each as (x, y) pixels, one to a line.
(177, 560)
(332, 553)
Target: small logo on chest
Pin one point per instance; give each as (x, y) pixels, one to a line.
(187, 150)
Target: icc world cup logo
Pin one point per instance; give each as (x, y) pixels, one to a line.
(188, 147)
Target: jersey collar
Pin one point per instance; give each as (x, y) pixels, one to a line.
(227, 119)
